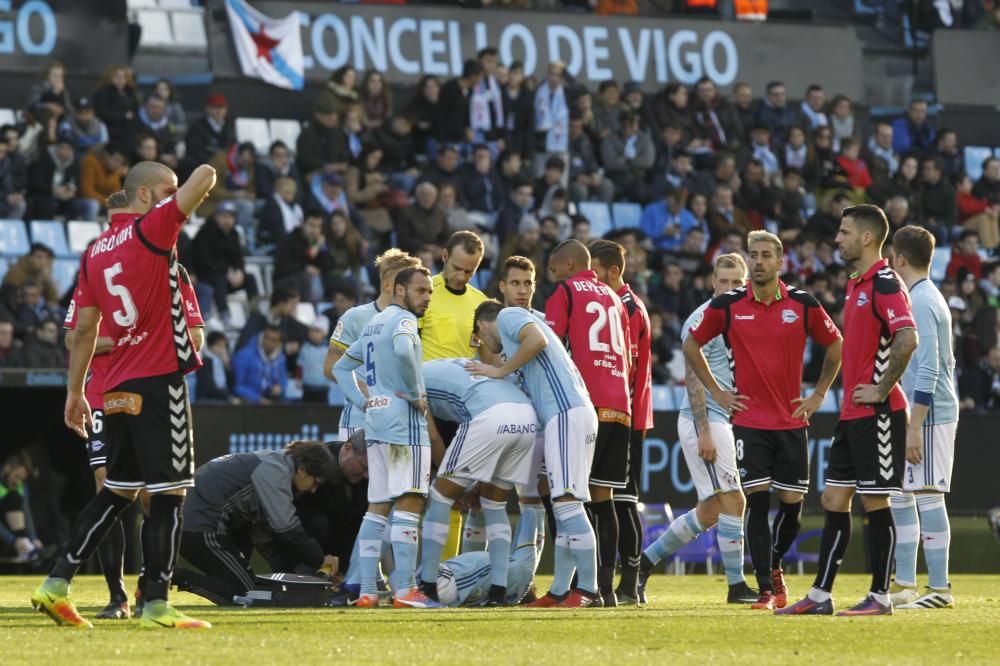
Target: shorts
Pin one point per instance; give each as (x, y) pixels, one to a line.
(868, 453)
(397, 469)
(610, 466)
(634, 476)
(710, 478)
(934, 471)
(344, 433)
(495, 445)
(777, 457)
(148, 433)
(97, 450)
(536, 468)
(569, 452)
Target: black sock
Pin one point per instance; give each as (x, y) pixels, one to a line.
(605, 523)
(758, 538)
(646, 565)
(96, 519)
(141, 583)
(550, 516)
(629, 545)
(111, 554)
(161, 543)
(785, 529)
(881, 546)
(833, 545)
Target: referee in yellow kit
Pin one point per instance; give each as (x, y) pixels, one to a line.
(446, 329)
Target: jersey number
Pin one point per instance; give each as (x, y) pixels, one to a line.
(604, 317)
(739, 449)
(98, 422)
(370, 364)
(127, 315)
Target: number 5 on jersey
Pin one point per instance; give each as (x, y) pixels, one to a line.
(127, 315)
(370, 364)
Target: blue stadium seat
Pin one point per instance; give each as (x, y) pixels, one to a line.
(13, 238)
(81, 233)
(53, 234)
(599, 216)
(680, 392)
(974, 158)
(64, 273)
(939, 263)
(663, 398)
(626, 215)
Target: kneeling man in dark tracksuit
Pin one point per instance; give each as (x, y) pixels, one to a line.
(246, 501)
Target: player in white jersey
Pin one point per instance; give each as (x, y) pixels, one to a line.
(919, 511)
(707, 442)
(352, 322)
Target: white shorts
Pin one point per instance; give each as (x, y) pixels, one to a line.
(345, 432)
(496, 445)
(397, 469)
(569, 451)
(715, 478)
(536, 472)
(934, 471)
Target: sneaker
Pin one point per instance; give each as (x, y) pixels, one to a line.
(140, 603)
(930, 600)
(548, 601)
(807, 606)
(640, 587)
(116, 610)
(609, 600)
(415, 599)
(580, 599)
(765, 601)
(530, 597)
(430, 590)
(867, 606)
(497, 597)
(52, 598)
(344, 598)
(903, 594)
(741, 593)
(366, 601)
(780, 591)
(159, 614)
(627, 600)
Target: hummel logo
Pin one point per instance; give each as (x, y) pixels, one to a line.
(740, 317)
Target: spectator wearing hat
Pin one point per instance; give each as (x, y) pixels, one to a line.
(152, 119)
(102, 171)
(12, 200)
(115, 101)
(281, 214)
(965, 255)
(303, 261)
(633, 99)
(53, 185)
(452, 123)
(321, 146)
(775, 113)
(628, 155)
(914, 131)
(424, 224)
(586, 178)
(315, 385)
(217, 260)
(210, 134)
(236, 170)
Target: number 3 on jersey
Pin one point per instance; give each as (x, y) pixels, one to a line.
(127, 315)
(370, 364)
(604, 317)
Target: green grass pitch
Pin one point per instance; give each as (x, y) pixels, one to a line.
(686, 620)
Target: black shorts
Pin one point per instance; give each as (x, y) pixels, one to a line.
(777, 457)
(868, 453)
(609, 468)
(97, 445)
(148, 431)
(634, 476)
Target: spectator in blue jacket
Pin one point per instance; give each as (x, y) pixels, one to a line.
(913, 132)
(667, 222)
(775, 114)
(260, 369)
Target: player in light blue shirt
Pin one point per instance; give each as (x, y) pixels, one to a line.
(919, 511)
(396, 430)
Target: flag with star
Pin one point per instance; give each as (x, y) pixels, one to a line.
(269, 49)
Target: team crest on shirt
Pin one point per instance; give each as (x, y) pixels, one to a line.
(696, 322)
(406, 323)
(862, 299)
(789, 316)
(830, 326)
(338, 329)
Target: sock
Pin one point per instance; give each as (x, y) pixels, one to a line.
(141, 582)
(571, 520)
(536, 524)
(682, 530)
(833, 545)
(474, 534)
(163, 533)
(454, 542)
(498, 539)
(605, 523)
(629, 545)
(405, 539)
(730, 538)
(881, 544)
(353, 569)
(785, 529)
(96, 519)
(563, 566)
(758, 537)
(369, 550)
(111, 554)
(434, 535)
(550, 516)
(935, 532)
(904, 513)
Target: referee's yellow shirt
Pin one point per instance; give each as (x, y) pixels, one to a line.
(446, 327)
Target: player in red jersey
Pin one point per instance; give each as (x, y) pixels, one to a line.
(129, 275)
(607, 259)
(765, 328)
(594, 323)
(866, 455)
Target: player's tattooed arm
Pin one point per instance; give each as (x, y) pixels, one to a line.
(904, 342)
(696, 396)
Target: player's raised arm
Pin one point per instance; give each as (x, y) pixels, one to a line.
(343, 372)
(531, 342)
(195, 189)
(77, 413)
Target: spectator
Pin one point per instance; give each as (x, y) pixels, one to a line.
(990, 20)
(979, 386)
(690, 255)
(826, 223)
(988, 187)
(236, 171)
(802, 260)
(723, 173)
(152, 119)
(175, 110)
(745, 108)
(511, 169)
(667, 294)
(345, 297)
(42, 349)
(102, 171)
(698, 205)
(977, 214)
(661, 347)
(487, 118)
(366, 189)
(811, 114)
(897, 210)
(278, 165)
(423, 224)
(260, 375)
(586, 178)
(353, 127)
(774, 112)
(424, 110)
(841, 119)
(882, 160)
(760, 150)
(445, 168)
(281, 215)
(11, 349)
(680, 175)
(211, 133)
(34, 267)
(303, 260)
(794, 201)
(399, 159)
(376, 100)
(17, 530)
(581, 229)
(557, 207)
(904, 184)
(480, 189)
(116, 102)
(520, 202)
(447, 201)
(13, 203)
(757, 196)
(524, 243)
(821, 161)
(796, 152)
(215, 378)
(38, 130)
(627, 157)
(321, 146)
(668, 146)
(607, 110)
(913, 131)
(950, 154)
(667, 222)
(633, 99)
(217, 261)
(549, 182)
(346, 245)
(82, 126)
(723, 214)
(52, 84)
(53, 185)
(519, 100)
(339, 92)
(670, 107)
(33, 311)
(315, 385)
(717, 124)
(965, 256)
(451, 124)
(551, 118)
(937, 200)
(145, 149)
(283, 306)
(854, 168)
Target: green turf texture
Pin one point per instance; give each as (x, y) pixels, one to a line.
(686, 619)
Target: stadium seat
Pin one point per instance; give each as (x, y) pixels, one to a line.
(663, 398)
(155, 27)
(799, 557)
(259, 267)
(64, 273)
(703, 550)
(175, 4)
(52, 234)
(655, 519)
(680, 392)
(255, 131)
(830, 404)
(189, 29)
(141, 4)
(8, 117)
(13, 238)
(599, 216)
(286, 131)
(81, 233)
(305, 312)
(974, 158)
(237, 312)
(626, 215)
(939, 263)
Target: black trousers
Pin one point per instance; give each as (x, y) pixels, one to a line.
(224, 567)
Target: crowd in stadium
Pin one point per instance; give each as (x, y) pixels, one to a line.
(689, 171)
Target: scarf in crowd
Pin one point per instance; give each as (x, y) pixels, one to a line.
(153, 124)
(327, 204)
(884, 154)
(816, 118)
(291, 214)
(238, 178)
(485, 95)
(764, 155)
(552, 117)
(842, 128)
(708, 119)
(796, 157)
